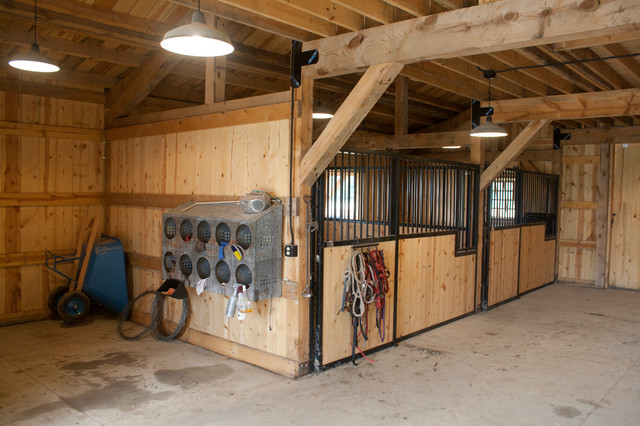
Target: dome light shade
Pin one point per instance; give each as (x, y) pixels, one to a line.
(321, 113)
(488, 130)
(33, 61)
(197, 39)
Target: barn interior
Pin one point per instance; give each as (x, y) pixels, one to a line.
(145, 146)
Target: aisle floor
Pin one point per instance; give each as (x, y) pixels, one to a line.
(562, 355)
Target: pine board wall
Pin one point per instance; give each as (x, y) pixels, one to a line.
(238, 153)
(51, 154)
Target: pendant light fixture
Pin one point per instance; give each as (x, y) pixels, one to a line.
(33, 60)
(488, 129)
(197, 39)
(321, 113)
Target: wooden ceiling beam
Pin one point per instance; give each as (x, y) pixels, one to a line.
(413, 7)
(623, 37)
(365, 140)
(579, 69)
(57, 20)
(8, 84)
(516, 78)
(598, 135)
(536, 57)
(470, 31)
(375, 10)
(515, 58)
(501, 88)
(600, 68)
(631, 65)
(128, 93)
(274, 11)
(73, 48)
(436, 76)
(511, 153)
(353, 110)
(77, 78)
(329, 12)
(575, 106)
(248, 18)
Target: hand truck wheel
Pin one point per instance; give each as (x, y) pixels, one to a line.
(73, 307)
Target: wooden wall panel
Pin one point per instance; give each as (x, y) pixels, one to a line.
(337, 330)
(624, 265)
(225, 162)
(433, 285)
(578, 204)
(537, 258)
(503, 264)
(46, 183)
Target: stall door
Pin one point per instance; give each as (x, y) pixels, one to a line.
(624, 266)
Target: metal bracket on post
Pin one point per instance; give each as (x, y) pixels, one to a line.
(477, 111)
(559, 136)
(298, 60)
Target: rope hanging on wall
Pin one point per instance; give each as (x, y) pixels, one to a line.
(365, 283)
(170, 288)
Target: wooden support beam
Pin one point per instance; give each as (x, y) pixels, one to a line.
(49, 131)
(599, 135)
(598, 41)
(365, 94)
(124, 97)
(368, 140)
(561, 107)
(196, 111)
(215, 80)
(511, 152)
(602, 216)
(203, 122)
(402, 105)
(16, 85)
(50, 199)
(474, 30)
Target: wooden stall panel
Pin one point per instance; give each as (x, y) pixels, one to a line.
(503, 264)
(51, 155)
(537, 258)
(624, 266)
(434, 285)
(578, 204)
(337, 331)
(151, 173)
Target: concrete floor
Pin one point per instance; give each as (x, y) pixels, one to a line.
(563, 355)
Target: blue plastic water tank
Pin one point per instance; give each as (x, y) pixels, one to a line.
(106, 279)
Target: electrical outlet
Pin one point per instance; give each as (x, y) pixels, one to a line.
(291, 251)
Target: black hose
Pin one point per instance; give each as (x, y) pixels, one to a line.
(157, 313)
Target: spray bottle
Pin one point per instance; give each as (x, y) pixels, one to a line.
(233, 300)
(243, 305)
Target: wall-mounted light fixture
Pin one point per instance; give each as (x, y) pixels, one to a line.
(33, 60)
(488, 129)
(197, 39)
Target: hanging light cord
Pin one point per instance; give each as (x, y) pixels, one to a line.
(35, 23)
(557, 64)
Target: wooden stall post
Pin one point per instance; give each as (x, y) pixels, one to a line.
(602, 216)
(477, 157)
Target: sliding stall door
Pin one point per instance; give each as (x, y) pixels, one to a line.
(624, 266)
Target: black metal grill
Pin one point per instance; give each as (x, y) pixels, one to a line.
(373, 196)
(519, 197)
